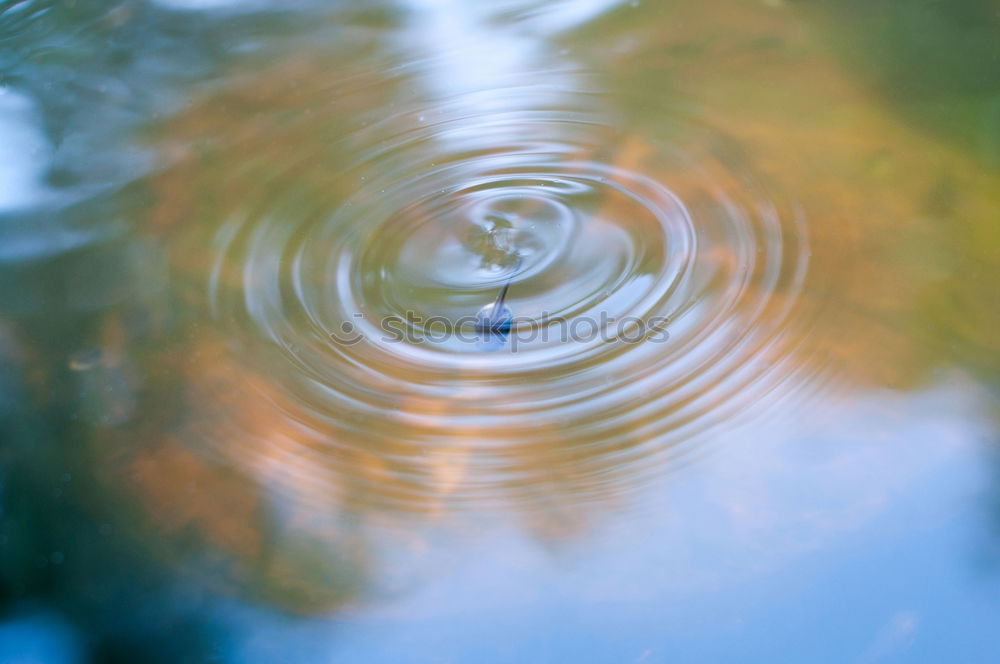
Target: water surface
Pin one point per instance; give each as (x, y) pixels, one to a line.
(746, 409)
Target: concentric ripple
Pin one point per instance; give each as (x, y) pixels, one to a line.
(652, 283)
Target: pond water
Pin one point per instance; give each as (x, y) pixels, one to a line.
(515, 331)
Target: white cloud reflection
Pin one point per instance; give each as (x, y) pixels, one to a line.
(24, 152)
(795, 519)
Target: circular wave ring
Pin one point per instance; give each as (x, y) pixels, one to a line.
(653, 287)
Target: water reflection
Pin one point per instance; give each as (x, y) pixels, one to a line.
(374, 225)
(189, 449)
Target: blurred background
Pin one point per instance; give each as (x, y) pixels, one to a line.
(201, 200)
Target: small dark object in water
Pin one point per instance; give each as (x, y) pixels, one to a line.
(496, 317)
